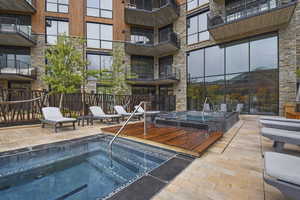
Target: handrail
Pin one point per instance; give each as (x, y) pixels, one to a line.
(125, 124)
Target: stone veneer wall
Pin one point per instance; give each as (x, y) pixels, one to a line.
(38, 61)
(289, 59)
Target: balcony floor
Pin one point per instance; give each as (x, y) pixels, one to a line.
(15, 39)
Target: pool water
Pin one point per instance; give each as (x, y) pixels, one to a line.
(78, 171)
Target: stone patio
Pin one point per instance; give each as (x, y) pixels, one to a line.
(231, 168)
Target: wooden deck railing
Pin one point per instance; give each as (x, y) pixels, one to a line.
(24, 106)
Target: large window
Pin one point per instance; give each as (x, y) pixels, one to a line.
(54, 28)
(243, 72)
(101, 62)
(197, 28)
(61, 6)
(99, 8)
(142, 67)
(192, 4)
(99, 35)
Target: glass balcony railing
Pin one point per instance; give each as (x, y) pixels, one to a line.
(151, 5)
(170, 74)
(13, 25)
(16, 67)
(243, 9)
(148, 41)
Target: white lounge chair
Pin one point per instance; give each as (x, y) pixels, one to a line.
(141, 110)
(280, 119)
(53, 116)
(98, 113)
(121, 111)
(283, 172)
(280, 137)
(239, 107)
(206, 107)
(223, 107)
(290, 126)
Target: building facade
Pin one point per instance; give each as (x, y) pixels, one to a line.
(231, 51)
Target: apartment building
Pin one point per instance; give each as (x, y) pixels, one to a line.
(232, 51)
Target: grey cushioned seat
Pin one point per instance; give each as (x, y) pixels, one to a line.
(281, 119)
(290, 126)
(283, 172)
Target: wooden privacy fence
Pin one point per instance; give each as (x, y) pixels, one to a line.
(24, 106)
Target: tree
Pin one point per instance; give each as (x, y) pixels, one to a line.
(116, 78)
(66, 66)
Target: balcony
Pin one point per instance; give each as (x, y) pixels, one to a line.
(141, 47)
(144, 78)
(26, 6)
(17, 70)
(155, 14)
(13, 33)
(248, 18)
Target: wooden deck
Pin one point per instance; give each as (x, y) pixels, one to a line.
(189, 141)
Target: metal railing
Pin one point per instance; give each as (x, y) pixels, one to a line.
(245, 8)
(32, 2)
(171, 74)
(13, 25)
(153, 6)
(11, 66)
(125, 124)
(172, 37)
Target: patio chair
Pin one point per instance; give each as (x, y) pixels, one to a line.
(283, 172)
(223, 107)
(239, 107)
(290, 126)
(206, 107)
(280, 119)
(98, 113)
(141, 110)
(121, 111)
(280, 137)
(53, 116)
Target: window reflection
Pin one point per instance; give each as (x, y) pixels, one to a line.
(250, 77)
(99, 35)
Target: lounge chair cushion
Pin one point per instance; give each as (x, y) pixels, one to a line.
(279, 135)
(121, 111)
(98, 113)
(281, 125)
(281, 119)
(283, 167)
(141, 110)
(54, 114)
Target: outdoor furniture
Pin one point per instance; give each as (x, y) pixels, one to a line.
(280, 119)
(121, 111)
(280, 137)
(206, 107)
(53, 116)
(283, 172)
(87, 118)
(98, 113)
(290, 126)
(141, 110)
(239, 107)
(223, 107)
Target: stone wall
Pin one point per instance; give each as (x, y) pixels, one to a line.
(38, 61)
(289, 60)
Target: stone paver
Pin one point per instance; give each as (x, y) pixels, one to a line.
(235, 173)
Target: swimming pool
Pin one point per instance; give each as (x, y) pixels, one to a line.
(213, 121)
(79, 169)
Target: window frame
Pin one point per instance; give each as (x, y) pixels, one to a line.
(57, 6)
(100, 10)
(204, 11)
(57, 20)
(100, 33)
(100, 63)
